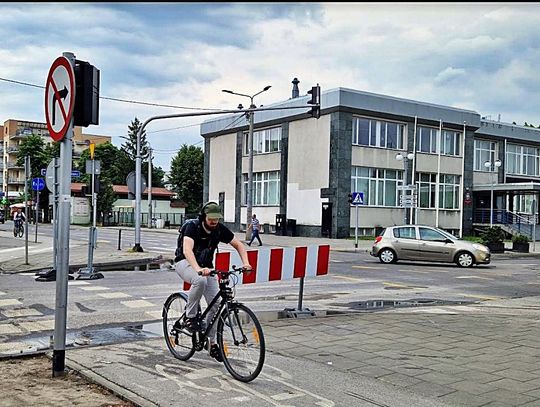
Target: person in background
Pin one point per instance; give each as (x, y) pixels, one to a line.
(255, 226)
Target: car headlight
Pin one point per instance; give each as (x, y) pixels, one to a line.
(480, 247)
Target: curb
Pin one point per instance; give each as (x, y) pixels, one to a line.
(117, 390)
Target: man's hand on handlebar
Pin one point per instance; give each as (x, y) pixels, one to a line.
(204, 271)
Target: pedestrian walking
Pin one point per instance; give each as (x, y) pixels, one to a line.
(255, 226)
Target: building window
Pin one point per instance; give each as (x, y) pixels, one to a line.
(377, 133)
(265, 188)
(484, 151)
(522, 160)
(264, 141)
(428, 141)
(378, 185)
(448, 191)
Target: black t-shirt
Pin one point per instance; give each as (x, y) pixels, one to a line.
(205, 244)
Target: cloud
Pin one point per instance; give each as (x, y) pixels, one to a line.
(480, 56)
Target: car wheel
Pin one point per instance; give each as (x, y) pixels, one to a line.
(387, 256)
(465, 259)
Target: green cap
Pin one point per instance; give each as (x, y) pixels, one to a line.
(213, 211)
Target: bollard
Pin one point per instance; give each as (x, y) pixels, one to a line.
(119, 237)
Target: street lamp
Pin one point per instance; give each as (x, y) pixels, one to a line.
(405, 159)
(249, 197)
(493, 167)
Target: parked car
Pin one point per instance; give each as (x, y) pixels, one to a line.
(427, 243)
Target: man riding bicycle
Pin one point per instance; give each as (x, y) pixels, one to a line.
(18, 218)
(198, 240)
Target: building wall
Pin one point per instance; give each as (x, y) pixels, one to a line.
(222, 170)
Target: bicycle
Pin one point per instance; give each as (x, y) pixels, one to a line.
(239, 333)
(18, 229)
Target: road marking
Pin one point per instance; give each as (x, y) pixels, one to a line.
(475, 277)
(396, 285)
(154, 314)
(23, 312)
(6, 329)
(73, 282)
(366, 267)
(2, 293)
(348, 278)
(92, 288)
(15, 347)
(287, 396)
(481, 297)
(137, 304)
(9, 301)
(47, 325)
(114, 295)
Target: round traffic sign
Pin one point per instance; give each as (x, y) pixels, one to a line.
(38, 184)
(59, 97)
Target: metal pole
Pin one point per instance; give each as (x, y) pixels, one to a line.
(55, 212)
(491, 211)
(138, 178)
(119, 238)
(150, 188)
(249, 206)
(26, 172)
(64, 218)
(534, 224)
(356, 230)
(406, 184)
(37, 214)
(301, 294)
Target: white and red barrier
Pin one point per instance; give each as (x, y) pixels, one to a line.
(277, 264)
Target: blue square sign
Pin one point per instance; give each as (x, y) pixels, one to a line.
(358, 198)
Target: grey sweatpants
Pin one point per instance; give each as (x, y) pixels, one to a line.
(200, 285)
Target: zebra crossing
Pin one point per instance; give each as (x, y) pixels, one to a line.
(18, 321)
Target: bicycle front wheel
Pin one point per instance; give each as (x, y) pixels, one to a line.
(178, 339)
(21, 231)
(241, 340)
(15, 231)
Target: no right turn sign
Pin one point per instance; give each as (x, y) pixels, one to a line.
(59, 97)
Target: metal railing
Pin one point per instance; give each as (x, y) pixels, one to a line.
(514, 223)
(118, 218)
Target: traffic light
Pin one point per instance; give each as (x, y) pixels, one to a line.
(315, 93)
(350, 198)
(86, 190)
(86, 109)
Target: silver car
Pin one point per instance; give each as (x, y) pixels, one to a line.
(426, 243)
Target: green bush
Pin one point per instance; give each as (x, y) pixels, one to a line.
(520, 239)
(493, 235)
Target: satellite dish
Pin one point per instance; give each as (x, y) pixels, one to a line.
(131, 182)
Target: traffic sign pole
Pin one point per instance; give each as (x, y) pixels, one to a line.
(64, 218)
(356, 231)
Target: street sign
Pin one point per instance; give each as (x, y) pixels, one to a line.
(38, 184)
(44, 172)
(357, 198)
(97, 167)
(75, 173)
(59, 97)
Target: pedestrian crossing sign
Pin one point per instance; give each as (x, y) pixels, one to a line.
(357, 198)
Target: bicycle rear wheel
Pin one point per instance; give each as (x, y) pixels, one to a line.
(241, 340)
(15, 231)
(178, 339)
(21, 231)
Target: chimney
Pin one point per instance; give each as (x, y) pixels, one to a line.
(295, 90)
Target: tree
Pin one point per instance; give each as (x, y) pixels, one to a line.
(158, 175)
(130, 146)
(186, 176)
(114, 163)
(106, 196)
(34, 147)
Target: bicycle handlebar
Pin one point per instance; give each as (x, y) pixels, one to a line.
(226, 273)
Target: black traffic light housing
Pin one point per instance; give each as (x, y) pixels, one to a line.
(87, 189)
(315, 93)
(86, 110)
(350, 198)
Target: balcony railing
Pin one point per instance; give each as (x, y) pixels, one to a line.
(19, 181)
(14, 165)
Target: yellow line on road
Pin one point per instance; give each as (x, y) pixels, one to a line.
(348, 278)
(481, 297)
(396, 285)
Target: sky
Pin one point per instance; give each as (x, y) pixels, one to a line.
(479, 56)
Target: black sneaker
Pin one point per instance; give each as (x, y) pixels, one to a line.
(192, 324)
(215, 352)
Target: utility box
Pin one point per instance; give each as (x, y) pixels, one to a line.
(291, 227)
(281, 227)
